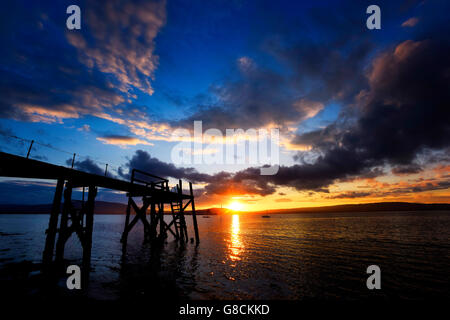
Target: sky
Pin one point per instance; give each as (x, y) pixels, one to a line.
(362, 115)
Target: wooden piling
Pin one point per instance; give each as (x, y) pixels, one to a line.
(63, 227)
(153, 220)
(124, 238)
(87, 243)
(183, 230)
(53, 223)
(194, 215)
(161, 220)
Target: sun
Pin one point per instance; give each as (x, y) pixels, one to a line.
(235, 206)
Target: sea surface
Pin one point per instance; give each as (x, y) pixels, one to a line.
(321, 256)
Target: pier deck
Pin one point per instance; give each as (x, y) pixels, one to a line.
(20, 167)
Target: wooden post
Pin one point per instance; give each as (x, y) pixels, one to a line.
(87, 245)
(180, 211)
(194, 215)
(53, 223)
(161, 220)
(124, 238)
(153, 220)
(147, 226)
(184, 235)
(174, 220)
(29, 149)
(62, 237)
(87, 239)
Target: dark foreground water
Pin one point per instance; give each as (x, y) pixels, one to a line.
(295, 256)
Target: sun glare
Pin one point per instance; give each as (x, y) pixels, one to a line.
(235, 206)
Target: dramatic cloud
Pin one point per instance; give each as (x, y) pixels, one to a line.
(404, 112)
(320, 138)
(407, 169)
(240, 183)
(50, 73)
(120, 41)
(222, 183)
(403, 188)
(258, 100)
(141, 160)
(249, 181)
(350, 195)
(87, 165)
(406, 109)
(309, 74)
(261, 100)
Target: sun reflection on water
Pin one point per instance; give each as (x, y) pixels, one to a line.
(235, 245)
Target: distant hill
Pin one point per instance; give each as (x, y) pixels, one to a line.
(212, 211)
(103, 207)
(366, 207)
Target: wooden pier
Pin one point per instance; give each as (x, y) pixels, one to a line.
(154, 192)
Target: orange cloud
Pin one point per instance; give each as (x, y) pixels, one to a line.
(411, 22)
(442, 170)
(42, 114)
(389, 61)
(123, 141)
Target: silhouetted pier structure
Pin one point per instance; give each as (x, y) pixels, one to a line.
(153, 190)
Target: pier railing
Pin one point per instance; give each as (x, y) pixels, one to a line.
(149, 180)
(38, 150)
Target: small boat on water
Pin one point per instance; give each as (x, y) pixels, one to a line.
(205, 216)
(265, 216)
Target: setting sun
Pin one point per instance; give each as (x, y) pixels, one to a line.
(235, 206)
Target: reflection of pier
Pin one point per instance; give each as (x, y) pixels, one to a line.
(154, 192)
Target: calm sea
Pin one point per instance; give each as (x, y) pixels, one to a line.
(294, 256)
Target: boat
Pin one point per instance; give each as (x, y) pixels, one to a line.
(265, 216)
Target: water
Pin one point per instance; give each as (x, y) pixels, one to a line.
(292, 256)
